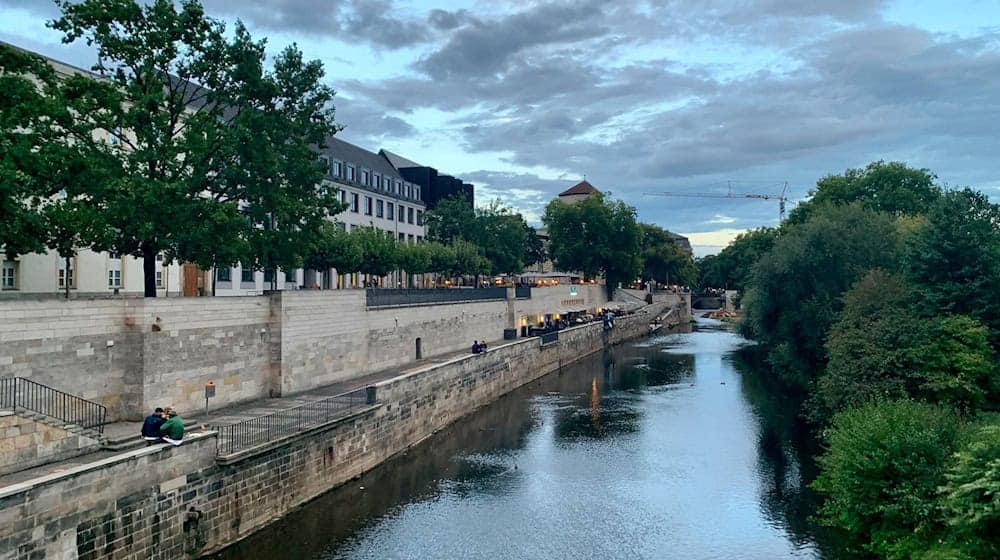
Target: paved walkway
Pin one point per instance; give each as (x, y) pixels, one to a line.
(236, 413)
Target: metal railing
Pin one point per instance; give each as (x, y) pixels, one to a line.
(390, 297)
(550, 337)
(18, 393)
(522, 292)
(264, 429)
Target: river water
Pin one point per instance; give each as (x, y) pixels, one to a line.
(669, 447)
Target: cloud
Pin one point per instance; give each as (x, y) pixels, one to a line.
(721, 219)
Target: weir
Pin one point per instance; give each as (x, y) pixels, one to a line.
(187, 501)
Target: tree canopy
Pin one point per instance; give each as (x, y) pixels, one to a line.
(732, 267)
(211, 152)
(662, 260)
(595, 236)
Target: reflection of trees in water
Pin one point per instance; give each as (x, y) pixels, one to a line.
(650, 367)
(786, 451)
(469, 454)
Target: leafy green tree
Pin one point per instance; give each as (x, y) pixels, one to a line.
(415, 259)
(442, 257)
(968, 499)
(663, 260)
(198, 128)
(30, 93)
(881, 348)
(795, 292)
(334, 248)
(893, 188)
(379, 251)
(468, 259)
(453, 218)
(953, 259)
(733, 266)
(595, 236)
(503, 236)
(534, 248)
(880, 474)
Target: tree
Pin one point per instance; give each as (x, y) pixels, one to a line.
(880, 474)
(334, 248)
(503, 236)
(795, 290)
(379, 251)
(881, 348)
(415, 259)
(968, 498)
(198, 128)
(733, 266)
(893, 188)
(534, 248)
(453, 218)
(662, 260)
(953, 259)
(594, 236)
(442, 258)
(468, 259)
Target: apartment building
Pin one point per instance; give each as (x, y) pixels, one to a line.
(376, 195)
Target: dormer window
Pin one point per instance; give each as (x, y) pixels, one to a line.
(377, 181)
(326, 164)
(416, 192)
(350, 173)
(364, 177)
(398, 189)
(335, 169)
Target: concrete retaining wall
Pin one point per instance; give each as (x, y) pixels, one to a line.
(166, 502)
(135, 354)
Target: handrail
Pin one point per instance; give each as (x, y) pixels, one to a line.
(260, 430)
(24, 394)
(403, 297)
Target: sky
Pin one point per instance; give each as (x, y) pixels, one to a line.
(524, 99)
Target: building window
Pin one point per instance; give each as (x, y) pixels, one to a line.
(402, 213)
(159, 278)
(419, 239)
(389, 207)
(399, 188)
(379, 211)
(269, 275)
(402, 236)
(159, 257)
(364, 177)
(65, 276)
(222, 274)
(8, 281)
(409, 215)
(416, 192)
(335, 169)
(368, 206)
(350, 173)
(377, 181)
(326, 164)
(290, 276)
(409, 190)
(354, 202)
(420, 218)
(114, 279)
(246, 275)
(409, 238)
(341, 226)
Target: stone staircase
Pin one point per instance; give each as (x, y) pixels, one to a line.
(128, 439)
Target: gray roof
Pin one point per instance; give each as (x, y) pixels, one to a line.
(349, 153)
(398, 161)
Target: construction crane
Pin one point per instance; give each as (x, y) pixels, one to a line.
(781, 198)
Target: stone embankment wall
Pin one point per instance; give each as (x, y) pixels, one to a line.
(135, 354)
(167, 503)
(26, 442)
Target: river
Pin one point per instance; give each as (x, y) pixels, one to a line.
(669, 447)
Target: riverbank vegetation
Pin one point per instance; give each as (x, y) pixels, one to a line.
(879, 298)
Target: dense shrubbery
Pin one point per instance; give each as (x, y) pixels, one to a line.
(881, 296)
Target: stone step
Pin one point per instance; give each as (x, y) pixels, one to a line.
(127, 442)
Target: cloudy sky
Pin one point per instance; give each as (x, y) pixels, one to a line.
(682, 96)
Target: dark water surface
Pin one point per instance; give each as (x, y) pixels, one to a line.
(670, 447)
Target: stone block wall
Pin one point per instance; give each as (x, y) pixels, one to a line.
(25, 442)
(167, 502)
(82, 347)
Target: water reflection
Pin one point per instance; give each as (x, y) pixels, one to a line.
(674, 447)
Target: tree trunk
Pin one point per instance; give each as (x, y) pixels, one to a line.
(66, 276)
(149, 269)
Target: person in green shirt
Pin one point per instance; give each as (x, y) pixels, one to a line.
(173, 428)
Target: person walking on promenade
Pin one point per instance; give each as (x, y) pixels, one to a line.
(151, 426)
(173, 429)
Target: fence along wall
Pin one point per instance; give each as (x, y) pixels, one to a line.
(168, 503)
(135, 354)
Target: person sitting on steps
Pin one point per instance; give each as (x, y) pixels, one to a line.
(173, 428)
(151, 426)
